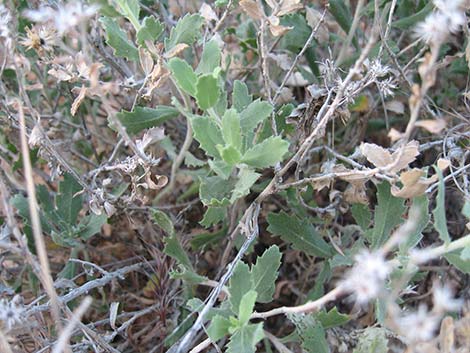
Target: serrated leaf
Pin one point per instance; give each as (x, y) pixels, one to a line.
(388, 214)
(218, 328)
(130, 9)
(184, 75)
(421, 216)
(187, 275)
(186, 31)
(210, 59)
(143, 118)
(455, 258)
(331, 318)
(162, 220)
(311, 332)
(213, 215)
(207, 91)
(254, 114)
(69, 204)
(231, 130)
(229, 154)
(239, 284)
(215, 191)
(241, 97)
(246, 180)
(117, 39)
(174, 249)
(221, 168)
(151, 30)
(266, 153)
(245, 339)
(208, 134)
(246, 307)
(373, 339)
(299, 233)
(264, 274)
(439, 213)
(362, 215)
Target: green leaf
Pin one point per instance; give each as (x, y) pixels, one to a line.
(373, 339)
(218, 328)
(311, 332)
(184, 75)
(455, 258)
(200, 241)
(210, 58)
(245, 339)
(246, 307)
(215, 191)
(421, 213)
(130, 9)
(208, 134)
(266, 153)
(239, 284)
(265, 272)
(331, 318)
(207, 91)
(213, 215)
(162, 220)
(240, 96)
(186, 31)
(362, 215)
(388, 214)
(221, 168)
(143, 118)
(91, 225)
(439, 213)
(246, 179)
(231, 130)
(151, 30)
(69, 204)
(117, 39)
(187, 275)
(407, 22)
(174, 249)
(229, 154)
(299, 233)
(341, 13)
(254, 114)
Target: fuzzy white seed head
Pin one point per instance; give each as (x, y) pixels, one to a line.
(418, 326)
(10, 313)
(367, 277)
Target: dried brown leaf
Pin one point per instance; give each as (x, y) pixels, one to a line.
(432, 125)
(279, 30)
(356, 193)
(252, 9)
(208, 13)
(409, 154)
(413, 184)
(289, 6)
(376, 155)
(394, 134)
(443, 164)
(146, 60)
(176, 50)
(78, 100)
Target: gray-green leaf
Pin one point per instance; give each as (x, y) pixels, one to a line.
(117, 39)
(151, 30)
(207, 91)
(245, 339)
(439, 213)
(208, 134)
(299, 233)
(254, 114)
(143, 118)
(210, 58)
(184, 75)
(241, 98)
(186, 31)
(266, 153)
(264, 274)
